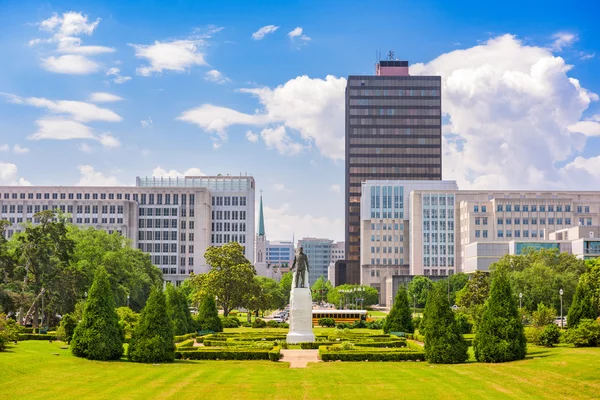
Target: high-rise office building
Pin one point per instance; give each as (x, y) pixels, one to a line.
(393, 132)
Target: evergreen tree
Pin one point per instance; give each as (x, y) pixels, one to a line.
(500, 336)
(400, 317)
(444, 342)
(99, 336)
(178, 311)
(582, 306)
(152, 340)
(208, 315)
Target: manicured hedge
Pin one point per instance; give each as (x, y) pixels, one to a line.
(225, 354)
(185, 344)
(414, 346)
(222, 343)
(353, 355)
(36, 336)
(188, 336)
(314, 345)
(275, 354)
(374, 344)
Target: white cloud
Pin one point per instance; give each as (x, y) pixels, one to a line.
(336, 188)
(178, 55)
(20, 150)
(4, 147)
(86, 148)
(78, 110)
(586, 56)
(72, 64)
(100, 97)
(9, 176)
(297, 33)
(146, 122)
(589, 127)
(283, 223)
(90, 177)
(116, 72)
(61, 129)
(312, 108)
(278, 139)
(562, 40)
(215, 76)
(509, 106)
(265, 30)
(280, 187)
(251, 136)
(108, 141)
(159, 172)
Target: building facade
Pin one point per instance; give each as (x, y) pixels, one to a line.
(393, 132)
(174, 220)
(319, 252)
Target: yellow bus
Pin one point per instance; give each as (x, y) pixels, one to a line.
(348, 316)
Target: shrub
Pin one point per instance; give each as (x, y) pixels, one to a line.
(417, 322)
(273, 324)
(327, 322)
(68, 323)
(549, 336)
(208, 315)
(284, 325)
(367, 355)
(224, 354)
(464, 324)
(343, 325)
(586, 334)
(99, 336)
(185, 344)
(36, 336)
(9, 331)
(153, 341)
(400, 317)
(542, 316)
(187, 336)
(532, 335)
(282, 344)
(582, 306)
(500, 336)
(275, 354)
(358, 324)
(128, 319)
(230, 322)
(259, 323)
(444, 343)
(377, 324)
(246, 324)
(179, 311)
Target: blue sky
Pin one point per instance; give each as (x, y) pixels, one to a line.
(196, 90)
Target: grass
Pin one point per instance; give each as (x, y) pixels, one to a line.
(30, 370)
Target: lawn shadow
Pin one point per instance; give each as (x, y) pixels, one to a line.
(538, 354)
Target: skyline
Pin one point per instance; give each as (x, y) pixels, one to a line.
(167, 91)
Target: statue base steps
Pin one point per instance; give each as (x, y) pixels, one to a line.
(300, 317)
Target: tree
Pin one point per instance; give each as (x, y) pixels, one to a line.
(285, 284)
(582, 306)
(98, 336)
(500, 336)
(369, 294)
(543, 316)
(320, 289)
(128, 320)
(9, 331)
(475, 292)
(230, 276)
(152, 340)
(444, 343)
(208, 315)
(419, 289)
(400, 316)
(65, 331)
(179, 311)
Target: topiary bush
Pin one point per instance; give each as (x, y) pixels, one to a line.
(377, 324)
(400, 316)
(586, 334)
(358, 324)
(500, 336)
(549, 336)
(65, 331)
(343, 325)
(444, 342)
(230, 322)
(9, 331)
(208, 315)
(152, 340)
(582, 306)
(327, 322)
(179, 311)
(259, 323)
(99, 336)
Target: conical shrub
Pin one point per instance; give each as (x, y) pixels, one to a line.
(582, 306)
(178, 311)
(99, 336)
(208, 315)
(400, 317)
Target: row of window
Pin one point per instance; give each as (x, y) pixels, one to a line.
(433, 112)
(228, 227)
(438, 225)
(439, 200)
(65, 196)
(384, 226)
(158, 223)
(534, 221)
(441, 249)
(229, 215)
(386, 261)
(434, 272)
(221, 238)
(395, 121)
(387, 250)
(387, 214)
(442, 213)
(30, 209)
(438, 262)
(229, 201)
(387, 238)
(161, 235)
(517, 234)
(158, 198)
(433, 132)
(433, 237)
(396, 92)
(534, 208)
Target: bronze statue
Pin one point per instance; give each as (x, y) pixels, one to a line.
(301, 261)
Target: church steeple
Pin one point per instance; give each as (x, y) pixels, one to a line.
(261, 218)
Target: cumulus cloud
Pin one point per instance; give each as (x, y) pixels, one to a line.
(64, 129)
(562, 40)
(4, 147)
(178, 55)
(215, 76)
(280, 187)
(509, 107)
(91, 177)
(278, 139)
(65, 30)
(262, 32)
(146, 122)
(312, 109)
(116, 73)
(86, 148)
(159, 172)
(296, 33)
(589, 127)
(71, 64)
(77, 110)
(109, 141)
(100, 97)
(251, 136)
(20, 150)
(9, 176)
(284, 223)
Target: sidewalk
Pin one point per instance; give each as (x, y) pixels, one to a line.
(300, 358)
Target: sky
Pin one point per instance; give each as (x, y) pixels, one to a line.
(99, 92)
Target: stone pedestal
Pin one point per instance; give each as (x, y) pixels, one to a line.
(300, 316)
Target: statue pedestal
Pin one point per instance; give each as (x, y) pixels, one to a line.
(300, 316)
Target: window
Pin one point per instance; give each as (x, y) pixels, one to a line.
(508, 208)
(477, 233)
(586, 209)
(533, 208)
(533, 221)
(525, 233)
(517, 208)
(550, 208)
(568, 208)
(567, 221)
(543, 208)
(525, 208)
(588, 221)
(500, 221)
(517, 221)
(483, 208)
(500, 233)
(525, 221)
(558, 208)
(477, 221)
(508, 221)
(485, 221)
(499, 207)
(475, 208)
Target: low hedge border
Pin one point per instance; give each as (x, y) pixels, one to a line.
(36, 336)
(380, 344)
(414, 346)
(353, 355)
(188, 336)
(225, 354)
(185, 344)
(275, 354)
(222, 343)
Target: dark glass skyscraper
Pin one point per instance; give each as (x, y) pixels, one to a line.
(393, 132)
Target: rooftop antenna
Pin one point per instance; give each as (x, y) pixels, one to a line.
(391, 55)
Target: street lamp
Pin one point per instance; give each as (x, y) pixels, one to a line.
(127, 299)
(561, 309)
(520, 300)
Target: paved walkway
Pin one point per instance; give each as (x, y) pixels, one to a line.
(300, 358)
